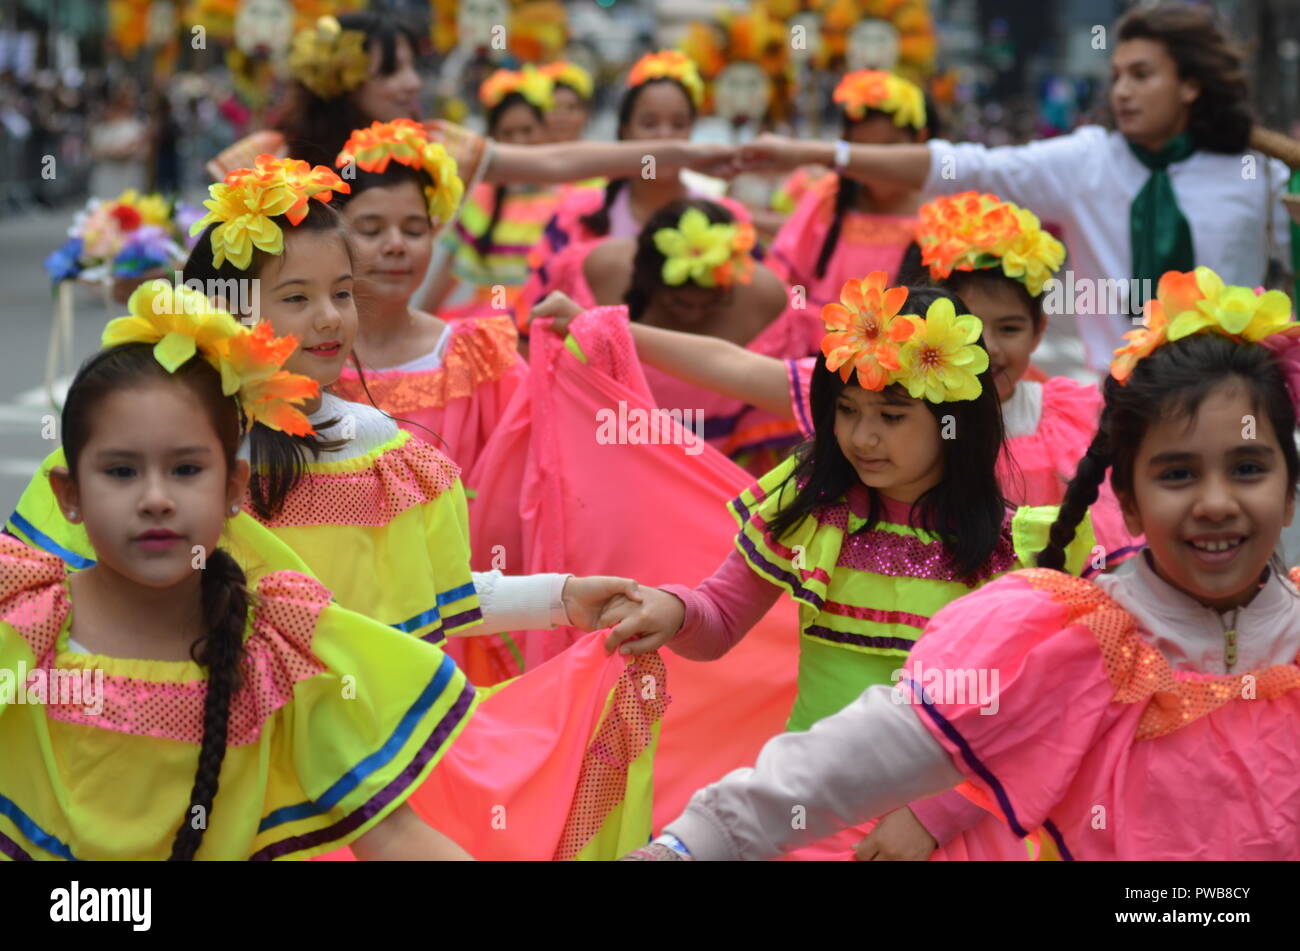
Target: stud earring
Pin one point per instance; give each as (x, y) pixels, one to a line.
(234, 510)
(72, 515)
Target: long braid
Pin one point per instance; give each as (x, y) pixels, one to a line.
(1080, 495)
(598, 221)
(225, 600)
(845, 197)
(483, 243)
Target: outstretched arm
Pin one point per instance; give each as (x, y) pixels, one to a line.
(901, 164)
(574, 161)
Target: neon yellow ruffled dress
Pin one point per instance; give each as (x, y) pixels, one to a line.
(865, 596)
(338, 720)
(382, 523)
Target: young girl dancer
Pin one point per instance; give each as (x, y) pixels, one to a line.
(181, 662)
(567, 118)
(1142, 716)
(447, 381)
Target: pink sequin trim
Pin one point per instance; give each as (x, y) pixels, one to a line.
(399, 479)
(872, 614)
(888, 553)
(32, 599)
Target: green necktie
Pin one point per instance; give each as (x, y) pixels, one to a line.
(1160, 235)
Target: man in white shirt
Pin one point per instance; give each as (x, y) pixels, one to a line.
(1171, 188)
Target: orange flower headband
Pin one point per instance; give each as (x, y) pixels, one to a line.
(571, 75)
(531, 83)
(328, 59)
(971, 231)
(877, 89)
(249, 198)
(1198, 301)
(668, 64)
(935, 358)
(711, 255)
(406, 142)
(181, 322)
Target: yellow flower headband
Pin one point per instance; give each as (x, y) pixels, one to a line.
(406, 142)
(531, 83)
(668, 64)
(1198, 301)
(935, 358)
(711, 255)
(876, 89)
(181, 322)
(249, 198)
(971, 231)
(328, 59)
(571, 75)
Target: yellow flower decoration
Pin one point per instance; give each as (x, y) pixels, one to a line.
(249, 198)
(669, 64)
(865, 331)
(1191, 302)
(534, 85)
(709, 254)
(407, 142)
(571, 75)
(971, 231)
(876, 89)
(181, 323)
(941, 361)
(328, 59)
(153, 208)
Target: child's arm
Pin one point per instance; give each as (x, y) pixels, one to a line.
(543, 601)
(403, 837)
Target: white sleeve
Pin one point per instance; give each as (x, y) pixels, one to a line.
(1041, 176)
(517, 602)
(1281, 177)
(873, 756)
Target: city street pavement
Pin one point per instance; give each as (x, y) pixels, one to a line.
(26, 306)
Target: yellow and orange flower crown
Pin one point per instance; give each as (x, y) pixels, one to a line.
(1192, 302)
(181, 322)
(709, 254)
(668, 64)
(530, 82)
(936, 358)
(328, 59)
(406, 142)
(245, 203)
(971, 231)
(562, 72)
(876, 89)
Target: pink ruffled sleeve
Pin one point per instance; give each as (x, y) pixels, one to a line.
(1015, 690)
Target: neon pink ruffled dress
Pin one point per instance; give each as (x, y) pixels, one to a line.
(460, 398)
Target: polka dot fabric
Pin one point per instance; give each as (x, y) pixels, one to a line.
(32, 599)
(1140, 673)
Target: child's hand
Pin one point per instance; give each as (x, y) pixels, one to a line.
(898, 837)
(559, 306)
(586, 599)
(646, 627)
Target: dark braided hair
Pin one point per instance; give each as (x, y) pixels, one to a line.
(648, 261)
(598, 221)
(224, 592)
(483, 243)
(1172, 382)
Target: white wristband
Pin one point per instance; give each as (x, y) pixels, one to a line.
(841, 154)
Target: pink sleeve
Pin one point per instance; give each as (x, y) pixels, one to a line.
(1011, 683)
(721, 610)
(946, 815)
(800, 373)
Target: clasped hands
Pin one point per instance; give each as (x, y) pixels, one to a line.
(643, 619)
(766, 153)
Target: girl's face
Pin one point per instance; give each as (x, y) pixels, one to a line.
(891, 440)
(661, 111)
(1211, 495)
(881, 130)
(518, 125)
(307, 292)
(1009, 334)
(395, 96)
(152, 485)
(392, 240)
(568, 117)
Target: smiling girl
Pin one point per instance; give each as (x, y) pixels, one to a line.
(251, 685)
(1163, 698)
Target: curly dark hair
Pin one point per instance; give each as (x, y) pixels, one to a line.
(1221, 116)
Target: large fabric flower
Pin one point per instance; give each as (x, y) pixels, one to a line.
(865, 331)
(973, 231)
(534, 85)
(941, 361)
(670, 64)
(407, 142)
(178, 321)
(1237, 311)
(694, 249)
(571, 75)
(1154, 332)
(328, 59)
(876, 89)
(251, 368)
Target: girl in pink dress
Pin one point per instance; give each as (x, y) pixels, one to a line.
(1144, 716)
(445, 381)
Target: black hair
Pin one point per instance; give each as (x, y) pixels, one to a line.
(224, 588)
(598, 221)
(277, 457)
(848, 189)
(315, 129)
(912, 271)
(483, 243)
(966, 508)
(1173, 381)
(648, 261)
